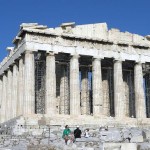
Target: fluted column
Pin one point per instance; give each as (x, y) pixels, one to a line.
(74, 86)
(64, 91)
(85, 108)
(50, 84)
(29, 82)
(14, 90)
(139, 92)
(21, 88)
(9, 95)
(119, 98)
(1, 85)
(106, 105)
(97, 87)
(126, 94)
(4, 97)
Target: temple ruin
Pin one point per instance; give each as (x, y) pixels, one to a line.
(76, 71)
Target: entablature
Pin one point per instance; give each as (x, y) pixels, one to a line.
(36, 37)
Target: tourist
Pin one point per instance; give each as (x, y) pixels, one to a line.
(71, 138)
(77, 133)
(66, 133)
(86, 134)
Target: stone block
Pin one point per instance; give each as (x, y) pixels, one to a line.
(147, 134)
(128, 146)
(37, 132)
(90, 139)
(89, 148)
(42, 122)
(120, 146)
(5, 149)
(111, 146)
(44, 141)
(143, 146)
(111, 136)
(137, 139)
(40, 147)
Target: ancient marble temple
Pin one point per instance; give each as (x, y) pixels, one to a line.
(76, 70)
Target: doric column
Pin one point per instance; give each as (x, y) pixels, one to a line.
(21, 87)
(97, 87)
(126, 94)
(139, 92)
(64, 91)
(106, 105)
(119, 99)
(29, 81)
(4, 97)
(50, 84)
(9, 95)
(85, 108)
(1, 85)
(14, 90)
(74, 86)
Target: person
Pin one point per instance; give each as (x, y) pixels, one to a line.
(71, 138)
(66, 133)
(77, 133)
(86, 134)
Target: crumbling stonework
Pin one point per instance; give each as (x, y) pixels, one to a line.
(75, 74)
(26, 133)
(50, 61)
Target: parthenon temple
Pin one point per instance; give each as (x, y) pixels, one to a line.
(76, 70)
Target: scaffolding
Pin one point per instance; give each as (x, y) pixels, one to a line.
(40, 71)
(64, 107)
(90, 92)
(147, 92)
(107, 74)
(128, 77)
(86, 97)
(66, 90)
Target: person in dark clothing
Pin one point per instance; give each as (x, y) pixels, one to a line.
(77, 133)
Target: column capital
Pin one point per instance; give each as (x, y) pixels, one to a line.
(5, 73)
(75, 56)
(97, 58)
(15, 62)
(118, 60)
(138, 63)
(29, 52)
(21, 59)
(9, 69)
(50, 53)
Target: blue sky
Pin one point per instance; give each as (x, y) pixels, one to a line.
(127, 15)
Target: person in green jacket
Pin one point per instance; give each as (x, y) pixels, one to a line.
(66, 133)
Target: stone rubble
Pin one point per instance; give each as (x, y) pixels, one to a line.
(102, 138)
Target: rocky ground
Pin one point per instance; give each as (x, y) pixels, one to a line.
(40, 133)
(100, 139)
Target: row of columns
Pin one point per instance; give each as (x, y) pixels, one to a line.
(119, 91)
(77, 108)
(18, 91)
